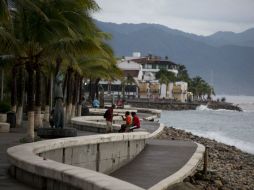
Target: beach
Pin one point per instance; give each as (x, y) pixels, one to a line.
(228, 167)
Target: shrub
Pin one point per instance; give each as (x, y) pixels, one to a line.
(4, 107)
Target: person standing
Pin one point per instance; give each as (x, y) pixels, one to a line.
(108, 115)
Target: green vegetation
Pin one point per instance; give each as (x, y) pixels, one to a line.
(200, 88)
(4, 107)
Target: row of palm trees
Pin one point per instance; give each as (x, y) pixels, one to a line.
(40, 39)
(199, 87)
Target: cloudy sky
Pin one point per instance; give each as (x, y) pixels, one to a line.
(195, 16)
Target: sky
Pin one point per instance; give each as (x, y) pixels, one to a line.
(202, 17)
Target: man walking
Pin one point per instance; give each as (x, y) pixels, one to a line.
(108, 115)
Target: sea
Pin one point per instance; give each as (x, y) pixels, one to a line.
(230, 127)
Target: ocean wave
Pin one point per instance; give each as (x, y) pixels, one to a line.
(242, 145)
(205, 108)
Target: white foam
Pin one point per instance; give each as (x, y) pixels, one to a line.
(203, 108)
(242, 145)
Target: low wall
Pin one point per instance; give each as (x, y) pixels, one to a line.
(76, 162)
(165, 105)
(96, 123)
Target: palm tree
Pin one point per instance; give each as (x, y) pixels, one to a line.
(165, 77)
(182, 73)
(37, 25)
(164, 80)
(200, 88)
(20, 95)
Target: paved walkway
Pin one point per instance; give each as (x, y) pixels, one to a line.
(159, 159)
(8, 140)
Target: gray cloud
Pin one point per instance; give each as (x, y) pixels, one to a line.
(195, 16)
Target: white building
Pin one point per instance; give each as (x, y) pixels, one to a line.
(176, 91)
(143, 71)
(153, 64)
(131, 68)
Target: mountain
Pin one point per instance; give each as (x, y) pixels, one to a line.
(225, 38)
(225, 58)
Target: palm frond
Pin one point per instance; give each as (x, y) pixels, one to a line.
(4, 12)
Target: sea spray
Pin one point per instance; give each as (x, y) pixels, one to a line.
(231, 127)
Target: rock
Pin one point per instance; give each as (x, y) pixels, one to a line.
(228, 167)
(218, 183)
(184, 186)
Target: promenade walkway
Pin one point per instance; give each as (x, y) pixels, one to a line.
(8, 140)
(158, 160)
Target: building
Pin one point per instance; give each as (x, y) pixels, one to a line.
(153, 64)
(175, 91)
(140, 80)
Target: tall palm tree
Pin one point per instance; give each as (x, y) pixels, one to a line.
(200, 88)
(165, 77)
(164, 80)
(33, 28)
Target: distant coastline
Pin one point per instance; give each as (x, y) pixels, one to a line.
(165, 104)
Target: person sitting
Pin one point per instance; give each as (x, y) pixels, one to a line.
(96, 103)
(135, 121)
(127, 120)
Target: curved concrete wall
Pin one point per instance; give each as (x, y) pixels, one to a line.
(46, 162)
(95, 123)
(77, 163)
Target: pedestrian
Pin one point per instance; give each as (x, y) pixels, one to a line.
(108, 115)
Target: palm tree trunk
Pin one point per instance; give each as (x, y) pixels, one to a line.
(20, 96)
(47, 98)
(14, 89)
(80, 96)
(75, 94)
(2, 84)
(30, 102)
(69, 95)
(64, 85)
(92, 90)
(167, 90)
(96, 86)
(37, 115)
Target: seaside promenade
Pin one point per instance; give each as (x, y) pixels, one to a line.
(159, 159)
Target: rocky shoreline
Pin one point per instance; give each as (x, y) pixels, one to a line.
(173, 105)
(228, 167)
(223, 105)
